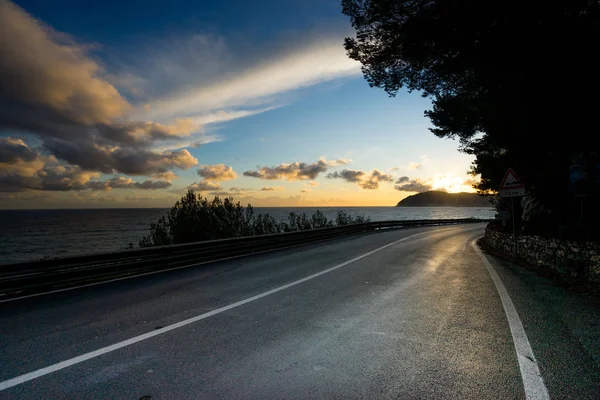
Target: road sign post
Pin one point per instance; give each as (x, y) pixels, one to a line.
(512, 187)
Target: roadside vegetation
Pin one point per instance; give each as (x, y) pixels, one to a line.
(195, 218)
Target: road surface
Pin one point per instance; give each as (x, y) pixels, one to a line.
(412, 313)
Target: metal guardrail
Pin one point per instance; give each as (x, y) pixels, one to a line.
(19, 279)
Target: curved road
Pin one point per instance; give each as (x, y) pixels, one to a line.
(411, 313)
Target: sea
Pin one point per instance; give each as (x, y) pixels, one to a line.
(36, 234)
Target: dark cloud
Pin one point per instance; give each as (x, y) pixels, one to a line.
(126, 160)
(152, 185)
(51, 178)
(271, 189)
(348, 175)
(121, 182)
(254, 174)
(22, 168)
(405, 184)
(295, 171)
(13, 150)
(363, 179)
(53, 89)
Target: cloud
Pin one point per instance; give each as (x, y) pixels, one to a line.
(363, 179)
(121, 182)
(295, 171)
(22, 168)
(138, 198)
(415, 165)
(102, 199)
(54, 76)
(305, 190)
(166, 176)
(218, 172)
(224, 116)
(127, 160)
(62, 94)
(53, 178)
(233, 191)
(13, 150)
(470, 182)
(240, 190)
(205, 186)
(56, 91)
(272, 189)
(321, 60)
(405, 184)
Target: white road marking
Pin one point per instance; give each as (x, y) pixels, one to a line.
(533, 383)
(87, 356)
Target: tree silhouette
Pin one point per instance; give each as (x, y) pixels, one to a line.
(514, 81)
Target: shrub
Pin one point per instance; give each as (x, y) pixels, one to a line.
(194, 218)
(343, 218)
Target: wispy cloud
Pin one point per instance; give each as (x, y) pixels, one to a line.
(320, 61)
(272, 189)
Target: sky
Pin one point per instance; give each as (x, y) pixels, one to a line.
(132, 103)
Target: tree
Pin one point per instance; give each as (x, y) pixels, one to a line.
(511, 80)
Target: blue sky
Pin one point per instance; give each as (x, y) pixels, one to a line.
(224, 97)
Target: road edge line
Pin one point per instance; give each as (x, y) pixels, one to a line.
(533, 382)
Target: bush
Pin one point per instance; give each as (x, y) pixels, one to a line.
(343, 218)
(195, 218)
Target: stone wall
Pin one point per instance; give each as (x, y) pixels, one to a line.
(580, 259)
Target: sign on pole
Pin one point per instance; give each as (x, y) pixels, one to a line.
(511, 185)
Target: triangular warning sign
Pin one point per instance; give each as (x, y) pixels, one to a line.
(511, 181)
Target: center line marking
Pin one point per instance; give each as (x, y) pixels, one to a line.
(533, 383)
(96, 353)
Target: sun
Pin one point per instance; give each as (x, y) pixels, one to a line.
(452, 184)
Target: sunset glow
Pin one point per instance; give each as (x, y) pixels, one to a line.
(214, 107)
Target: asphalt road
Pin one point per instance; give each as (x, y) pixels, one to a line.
(411, 313)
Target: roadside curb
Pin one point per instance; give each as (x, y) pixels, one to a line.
(570, 283)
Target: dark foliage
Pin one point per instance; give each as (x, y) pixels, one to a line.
(514, 81)
(195, 218)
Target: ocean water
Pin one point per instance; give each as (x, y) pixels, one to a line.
(35, 234)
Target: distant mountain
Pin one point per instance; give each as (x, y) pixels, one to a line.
(436, 198)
